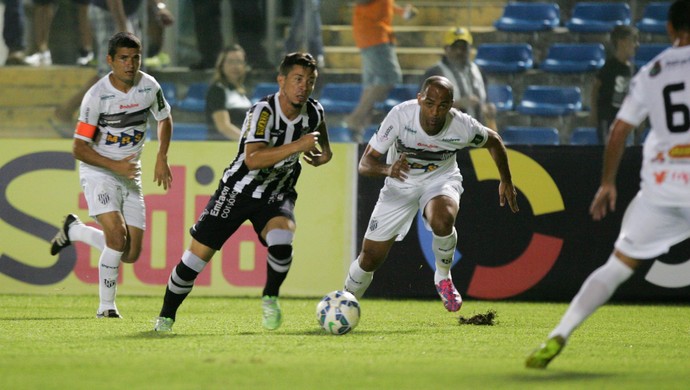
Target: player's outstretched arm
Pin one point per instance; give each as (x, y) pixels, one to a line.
(605, 198)
(162, 174)
(506, 190)
(259, 155)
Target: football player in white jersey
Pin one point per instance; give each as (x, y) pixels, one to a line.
(108, 142)
(421, 138)
(659, 215)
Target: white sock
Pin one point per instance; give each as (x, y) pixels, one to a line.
(108, 270)
(358, 280)
(444, 249)
(595, 291)
(88, 235)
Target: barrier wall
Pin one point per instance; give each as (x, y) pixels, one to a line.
(39, 184)
(545, 251)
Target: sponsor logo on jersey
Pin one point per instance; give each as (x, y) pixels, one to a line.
(124, 139)
(680, 151)
(262, 123)
(160, 100)
(145, 89)
(107, 97)
(225, 202)
(128, 106)
(385, 134)
(672, 177)
(410, 130)
(426, 167)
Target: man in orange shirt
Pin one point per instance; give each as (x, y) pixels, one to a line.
(372, 27)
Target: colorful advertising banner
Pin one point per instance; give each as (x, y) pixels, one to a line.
(546, 250)
(39, 185)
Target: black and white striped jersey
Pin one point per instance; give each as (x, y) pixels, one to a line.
(265, 122)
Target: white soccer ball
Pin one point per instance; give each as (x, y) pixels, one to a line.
(338, 312)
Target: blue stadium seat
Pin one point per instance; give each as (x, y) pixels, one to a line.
(542, 100)
(574, 57)
(654, 18)
(340, 98)
(599, 17)
(504, 57)
(584, 136)
(529, 135)
(170, 92)
(262, 90)
(195, 100)
(647, 51)
(369, 132)
(339, 134)
(501, 95)
(189, 131)
(529, 17)
(397, 95)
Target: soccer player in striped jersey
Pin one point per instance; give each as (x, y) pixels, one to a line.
(108, 142)
(659, 215)
(259, 186)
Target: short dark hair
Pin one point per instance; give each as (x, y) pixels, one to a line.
(679, 15)
(297, 58)
(621, 32)
(439, 81)
(123, 39)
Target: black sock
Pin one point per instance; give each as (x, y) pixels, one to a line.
(181, 280)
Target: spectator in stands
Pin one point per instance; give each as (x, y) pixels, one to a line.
(305, 28)
(44, 11)
(372, 27)
(468, 81)
(13, 32)
(159, 17)
(612, 80)
(249, 25)
(226, 99)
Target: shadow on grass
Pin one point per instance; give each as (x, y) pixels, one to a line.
(555, 376)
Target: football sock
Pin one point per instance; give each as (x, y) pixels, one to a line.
(181, 282)
(87, 234)
(444, 249)
(358, 280)
(279, 260)
(595, 291)
(108, 270)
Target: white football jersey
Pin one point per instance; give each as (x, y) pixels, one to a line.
(120, 119)
(661, 90)
(429, 156)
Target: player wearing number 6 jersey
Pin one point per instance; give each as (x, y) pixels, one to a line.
(659, 215)
(108, 142)
(421, 138)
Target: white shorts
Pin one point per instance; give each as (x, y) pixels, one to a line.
(105, 193)
(649, 230)
(397, 206)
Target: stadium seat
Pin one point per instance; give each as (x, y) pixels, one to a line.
(528, 135)
(574, 57)
(170, 92)
(504, 57)
(584, 136)
(339, 134)
(529, 17)
(397, 95)
(262, 90)
(646, 52)
(544, 100)
(189, 131)
(195, 100)
(501, 95)
(340, 98)
(599, 17)
(654, 18)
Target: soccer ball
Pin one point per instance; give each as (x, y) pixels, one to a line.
(338, 312)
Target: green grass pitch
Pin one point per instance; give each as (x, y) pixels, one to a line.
(55, 342)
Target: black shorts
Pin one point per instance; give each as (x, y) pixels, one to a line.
(227, 210)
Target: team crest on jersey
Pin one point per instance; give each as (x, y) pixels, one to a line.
(373, 225)
(478, 139)
(103, 198)
(124, 139)
(262, 123)
(656, 69)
